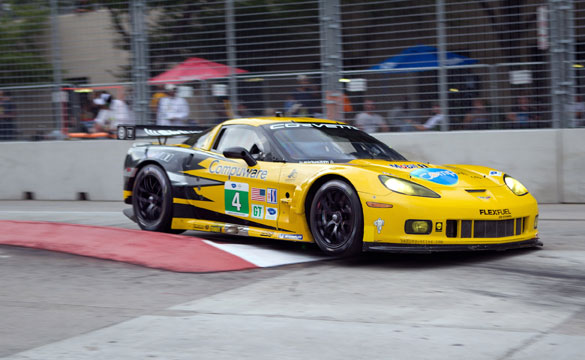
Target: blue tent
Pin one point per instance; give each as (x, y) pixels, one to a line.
(420, 58)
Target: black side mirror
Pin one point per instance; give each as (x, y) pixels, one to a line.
(239, 152)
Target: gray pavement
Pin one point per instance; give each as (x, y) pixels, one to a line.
(524, 304)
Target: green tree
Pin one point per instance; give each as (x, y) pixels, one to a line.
(23, 31)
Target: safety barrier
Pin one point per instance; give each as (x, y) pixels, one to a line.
(549, 162)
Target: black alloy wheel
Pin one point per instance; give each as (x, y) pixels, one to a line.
(152, 200)
(336, 219)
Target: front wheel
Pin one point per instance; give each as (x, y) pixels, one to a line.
(152, 200)
(336, 219)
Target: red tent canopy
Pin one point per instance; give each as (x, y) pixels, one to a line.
(194, 69)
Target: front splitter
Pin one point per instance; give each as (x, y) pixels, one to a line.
(414, 248)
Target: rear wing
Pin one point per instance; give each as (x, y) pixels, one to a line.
(132, 132)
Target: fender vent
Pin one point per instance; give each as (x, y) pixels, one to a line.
(475, 190)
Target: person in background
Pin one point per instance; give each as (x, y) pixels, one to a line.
(577, 112)
(434, 122)
(159, 93)
(173, 109)
(523, 115)
(307, 96)
(112, 112)
(368, 120)
(7, 113)
(477, 118)
(400, 117)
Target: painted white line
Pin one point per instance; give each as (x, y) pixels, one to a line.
(262, 256)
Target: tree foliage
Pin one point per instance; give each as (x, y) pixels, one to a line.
(23, 30)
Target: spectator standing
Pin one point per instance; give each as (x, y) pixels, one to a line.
(523, 115)
(434, 122)
(307, 96)
(158, 94)
(577, 111)
(400, 117)
(368, 120)
(112, 112)
(173, 109)
(477, 118)
(7, 113)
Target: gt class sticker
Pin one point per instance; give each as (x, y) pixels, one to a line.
(438, 176)
(257, 211)
(236, 199)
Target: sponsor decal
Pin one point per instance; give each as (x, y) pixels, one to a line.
(258, 194)
(272, 198)
(236, 199)
(215, 228)
(257, 211)
(495, 173)
(290, 236)
(408, 166)
(271, 213)
(163, 156)
(162, 132)
(378, 224)
(438, 176)
(266, 234)
(216, 168)
(316, 162)
(313, 125)
(484, 197)
(494, 212)
(293, 175)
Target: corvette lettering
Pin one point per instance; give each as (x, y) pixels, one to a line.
(315, 125)
(494, 212)
(409, 166)
(215, 168)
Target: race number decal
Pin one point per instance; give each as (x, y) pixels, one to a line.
(236, 199)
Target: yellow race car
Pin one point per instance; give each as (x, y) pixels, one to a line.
(322, 181)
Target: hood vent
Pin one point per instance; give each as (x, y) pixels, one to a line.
(475, 190)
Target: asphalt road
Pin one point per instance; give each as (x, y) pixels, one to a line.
(522, 304)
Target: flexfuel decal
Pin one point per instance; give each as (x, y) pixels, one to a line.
(438, 176)
(236, 199)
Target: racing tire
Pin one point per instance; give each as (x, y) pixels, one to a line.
(336, 219)
(152, 200)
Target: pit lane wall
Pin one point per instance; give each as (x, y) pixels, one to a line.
(551, 163)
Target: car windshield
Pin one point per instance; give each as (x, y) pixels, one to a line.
(329, 142)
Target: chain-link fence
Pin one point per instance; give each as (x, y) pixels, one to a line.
(385, 65)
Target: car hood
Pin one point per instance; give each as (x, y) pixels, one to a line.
(431, 175)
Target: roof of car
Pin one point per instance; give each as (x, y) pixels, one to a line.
(258, 121)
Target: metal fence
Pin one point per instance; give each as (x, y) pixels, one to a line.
(385, 65)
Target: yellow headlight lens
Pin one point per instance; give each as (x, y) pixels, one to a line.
(515, 185)
(420, 227)
(407, 187)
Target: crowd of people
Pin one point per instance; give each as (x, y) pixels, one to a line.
(168, 108)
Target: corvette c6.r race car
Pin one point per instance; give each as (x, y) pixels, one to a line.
(322, 181)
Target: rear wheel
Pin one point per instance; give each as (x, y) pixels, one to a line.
(336, 219)
(152, 200)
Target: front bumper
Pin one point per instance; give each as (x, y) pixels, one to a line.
(412, 248)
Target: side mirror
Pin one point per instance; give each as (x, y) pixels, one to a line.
(239, 152)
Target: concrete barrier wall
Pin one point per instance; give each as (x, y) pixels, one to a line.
(551, 163)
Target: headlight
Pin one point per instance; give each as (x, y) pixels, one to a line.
(515, 185)
(406, 187)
